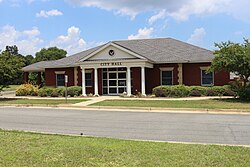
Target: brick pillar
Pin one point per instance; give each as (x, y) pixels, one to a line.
(25, 77)
(39, 78)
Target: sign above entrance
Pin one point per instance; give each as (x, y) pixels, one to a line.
(111, 64)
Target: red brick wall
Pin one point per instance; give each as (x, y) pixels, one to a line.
(153, 76)
(50, 75)
(136, 82)
(192, 75)
(100, 81)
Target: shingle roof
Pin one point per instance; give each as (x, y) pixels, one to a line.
(158, 50)
(167, 50)
(69, 61)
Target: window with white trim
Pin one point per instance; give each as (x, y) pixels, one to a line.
(207, 78)
(88, 78)
(60, 80)
(166, 77)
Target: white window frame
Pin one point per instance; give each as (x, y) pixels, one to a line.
(171, 69)
(91, 72)
(204, 69)
(59, 72)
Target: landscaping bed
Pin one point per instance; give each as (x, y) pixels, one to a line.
(32, 149)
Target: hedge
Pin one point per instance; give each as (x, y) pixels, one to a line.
(185, 91)
(29, 89)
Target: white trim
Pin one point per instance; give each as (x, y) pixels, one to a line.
(143, 92)
(128, 80)
(83, 82)
(96, 81)
(59, 72)
(203, 69)
(116, 46)
(172, 76)
(166, 68)
(56, 79)
(120, 63)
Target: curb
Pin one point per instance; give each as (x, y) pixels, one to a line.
(132, 109)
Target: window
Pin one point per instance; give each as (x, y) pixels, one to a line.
(207, 78)
(88, 78)
(60, 80)
(166, 77)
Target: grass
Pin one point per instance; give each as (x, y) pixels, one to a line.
(11, 88)
(30, 149)
(208, 104)
(41, 101)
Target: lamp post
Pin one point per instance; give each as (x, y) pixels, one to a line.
(66, 84)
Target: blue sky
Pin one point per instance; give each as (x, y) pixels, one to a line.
(76, 25)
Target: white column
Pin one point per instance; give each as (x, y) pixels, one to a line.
(143, 81)
(96, 81)
(128, 81)
(83, 82)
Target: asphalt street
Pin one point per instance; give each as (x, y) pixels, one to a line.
(179, 127)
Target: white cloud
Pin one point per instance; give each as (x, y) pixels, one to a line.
(72, 42)
(161, 15)
(180, 10)
(27, 40)
(197, 37)
(142, 33)
(49, 13)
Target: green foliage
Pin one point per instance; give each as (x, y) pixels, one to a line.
(185, 91)
(171, 91)
(233, 57)
(10, 66)
(60, 91)
(27, 90)
(52, 53)
(74, 91)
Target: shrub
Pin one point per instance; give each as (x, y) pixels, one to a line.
(26, 90)
(185, 91)
(195, 93)
(54, 93)
(171, 91)
(74, 91)
(42, 92)
(201, 89)
(60, 91)
(244, 93)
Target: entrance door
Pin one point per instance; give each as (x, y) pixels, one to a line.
(114, 81)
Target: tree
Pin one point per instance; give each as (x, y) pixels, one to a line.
(52, 53)
(9, 68)
(233, 57)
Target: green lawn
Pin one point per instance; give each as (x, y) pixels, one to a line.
(209, 104)
(27, 149)
(41, 101)
(10, 88)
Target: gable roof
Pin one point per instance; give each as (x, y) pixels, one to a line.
(158, 50)
(167, 50)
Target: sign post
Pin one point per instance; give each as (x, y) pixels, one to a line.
(66, 90)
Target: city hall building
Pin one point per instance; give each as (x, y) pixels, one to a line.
(131, 66)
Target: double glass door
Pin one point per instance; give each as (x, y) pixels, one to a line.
(114, 81)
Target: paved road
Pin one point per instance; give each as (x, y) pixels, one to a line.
(180, 127)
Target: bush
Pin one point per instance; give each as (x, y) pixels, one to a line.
(171, 91)
(185, 91)
(42, 92)
(27, 90)
(74, 91)
(196, 93)
(202, 90)
(244, 93)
